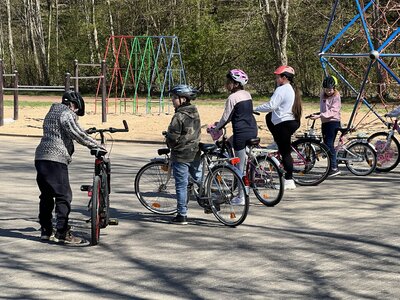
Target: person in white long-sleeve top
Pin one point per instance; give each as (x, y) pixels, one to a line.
(283, 118)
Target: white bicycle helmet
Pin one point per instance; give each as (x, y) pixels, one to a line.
(239, 76)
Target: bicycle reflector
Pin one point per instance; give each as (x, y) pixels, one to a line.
(235, 160)
(156, 205)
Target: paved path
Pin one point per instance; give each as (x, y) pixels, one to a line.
(339, 240)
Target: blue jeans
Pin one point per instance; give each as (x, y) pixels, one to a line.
(181, 174)
(329, 132)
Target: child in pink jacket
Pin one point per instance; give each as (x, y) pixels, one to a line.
(330, 104)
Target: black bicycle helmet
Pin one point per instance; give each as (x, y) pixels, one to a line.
(183, 90)
(329, 82)
(74, 97)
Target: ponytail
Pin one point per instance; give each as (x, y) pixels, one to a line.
(297, 108)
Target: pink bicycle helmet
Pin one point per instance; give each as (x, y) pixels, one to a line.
(284, 69)
(238, 75)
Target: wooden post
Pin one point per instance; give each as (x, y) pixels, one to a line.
(67, 81)
(16, 104)
(76, 74)
(1, 94)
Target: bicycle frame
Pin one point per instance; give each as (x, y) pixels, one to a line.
(99, 192)
(342, 147)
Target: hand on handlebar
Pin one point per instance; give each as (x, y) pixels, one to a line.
(215, 134)
(314, 116)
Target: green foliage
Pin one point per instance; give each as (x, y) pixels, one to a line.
(214, 36)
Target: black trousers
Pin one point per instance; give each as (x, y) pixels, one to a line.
(53, 181)
(282, 134)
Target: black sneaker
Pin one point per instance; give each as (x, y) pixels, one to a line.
(333, 172)
(179, 219)
(46, 233)
(66, 238)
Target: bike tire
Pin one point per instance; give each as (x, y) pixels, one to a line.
(311, 161)
(389, 157)
(223, 185)
(95, 211)
(367, 156)
(105, 204)
(155, 188)
(266, 180)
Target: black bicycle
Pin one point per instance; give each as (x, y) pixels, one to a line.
(99, 203)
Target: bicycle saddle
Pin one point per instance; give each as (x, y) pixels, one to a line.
(163, 151)
(253, 142)
(207, 148)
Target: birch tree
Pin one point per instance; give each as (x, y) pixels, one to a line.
(10, 36)
(275, 16)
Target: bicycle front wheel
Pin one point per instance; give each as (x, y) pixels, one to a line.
(311, 161)
(387, 151)
(155, 188)
(95, 211)
(266, 180)
(360, 159)
(224, 188)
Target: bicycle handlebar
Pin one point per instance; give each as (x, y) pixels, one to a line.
(316, 113)
(110, 129)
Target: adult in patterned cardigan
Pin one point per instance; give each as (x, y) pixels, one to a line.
(52, 157)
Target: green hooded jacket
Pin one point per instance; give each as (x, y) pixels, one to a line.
(183, 135)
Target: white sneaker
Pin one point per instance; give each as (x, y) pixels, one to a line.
(237, 200)
(289, 184)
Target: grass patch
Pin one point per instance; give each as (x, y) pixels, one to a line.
(29, 103)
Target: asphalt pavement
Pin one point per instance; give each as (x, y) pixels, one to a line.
(338, 240)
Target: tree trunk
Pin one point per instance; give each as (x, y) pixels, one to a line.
(110, 18)
(10, 36)
(41, 43)
(1, 41)
(275, 15)
(88, 33)
(95, 36)
(50, 11)
(57, 39)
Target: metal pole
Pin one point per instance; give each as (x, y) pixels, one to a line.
(103, 92)
(76, 85)
(1, 94)
(67, 81)
(16, 104)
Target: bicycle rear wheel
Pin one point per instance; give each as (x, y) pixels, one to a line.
(311, 161)
(361, 159)
(95, 211)
(388, 156)
(266, 180)
(155, 188)
(224, 184)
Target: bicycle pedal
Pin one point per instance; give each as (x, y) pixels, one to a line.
(113, 222)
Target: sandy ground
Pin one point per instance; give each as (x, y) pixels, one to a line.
(143, 127)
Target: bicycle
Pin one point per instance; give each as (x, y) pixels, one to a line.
(99, 191)
(220, 182)
(262, 172)
(358, 155)
(311, 163)
(387, 147)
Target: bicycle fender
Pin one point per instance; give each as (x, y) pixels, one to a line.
(361, 141)
(275, 160)
(159, 159)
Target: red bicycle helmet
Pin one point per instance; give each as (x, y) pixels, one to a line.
(284, 69)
